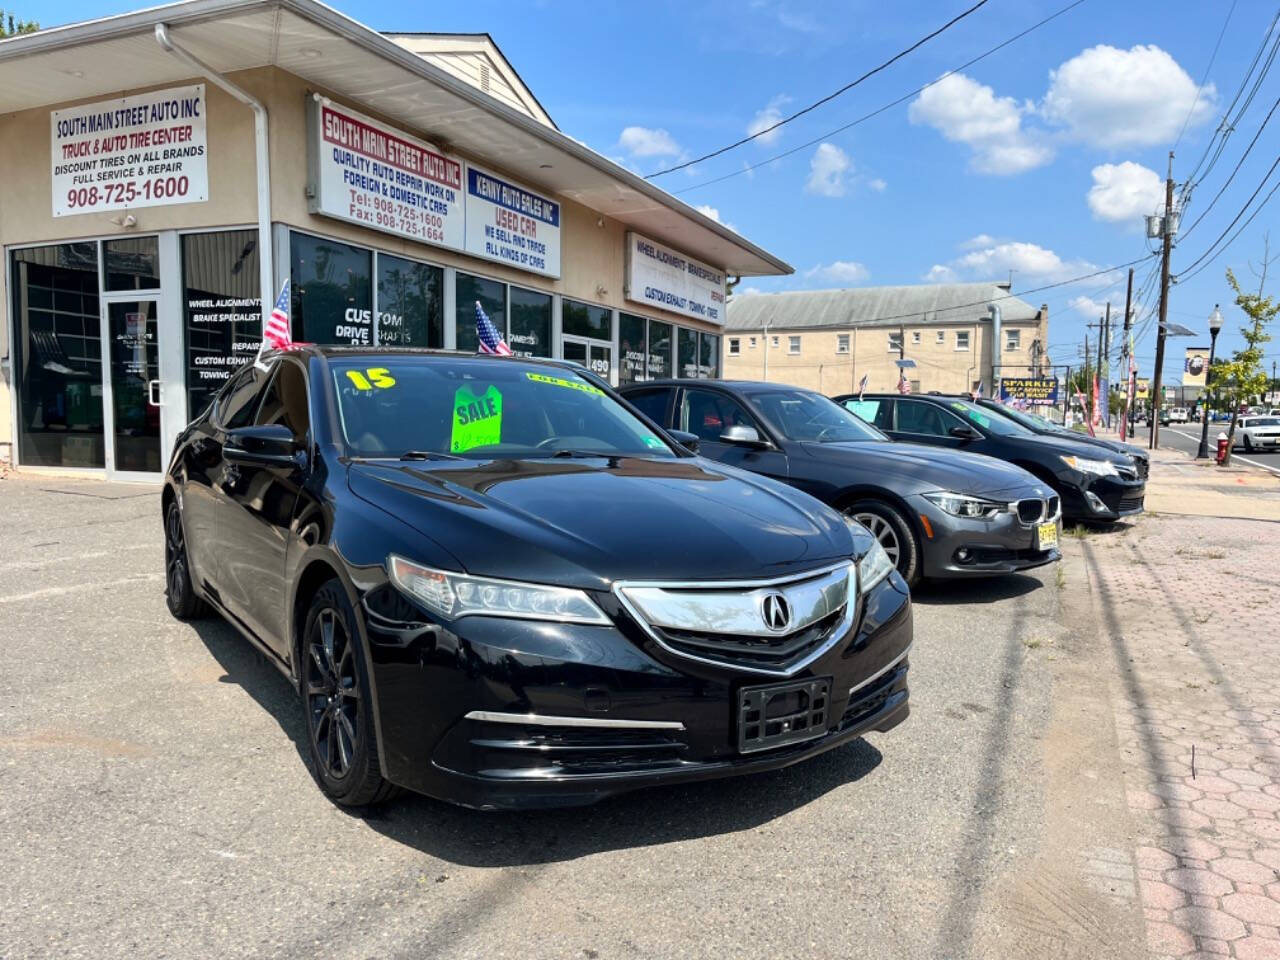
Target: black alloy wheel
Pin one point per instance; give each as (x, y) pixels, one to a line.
(335, 692)
(893, 532)
(179, 593)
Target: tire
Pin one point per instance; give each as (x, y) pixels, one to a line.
(893, 531)
(179, 592)
(1248, 444)
(336, 703)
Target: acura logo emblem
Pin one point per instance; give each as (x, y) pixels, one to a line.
(776, 612)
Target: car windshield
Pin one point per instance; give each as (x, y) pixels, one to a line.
(989, 419)
(1034, 421)
(1264, 422)
(804, 416)
(476, 408)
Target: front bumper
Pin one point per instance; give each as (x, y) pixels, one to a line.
(494, 713)
(1093, 498)
(961, 547)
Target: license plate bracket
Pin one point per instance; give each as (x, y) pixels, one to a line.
(781, 713)
(1047, 535)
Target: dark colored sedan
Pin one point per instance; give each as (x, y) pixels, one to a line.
(937, 513)
(494, 583)
(1038, 424)
(1096, 485)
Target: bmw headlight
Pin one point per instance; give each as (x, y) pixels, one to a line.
(455, 595)
(1099, 468)
(963, 505)
(875, 564)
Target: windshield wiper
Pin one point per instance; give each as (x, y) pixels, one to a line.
(427, 455)
(587, 454)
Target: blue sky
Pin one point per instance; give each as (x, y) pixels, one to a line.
(1039, 159)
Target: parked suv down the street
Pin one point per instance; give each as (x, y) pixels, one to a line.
(1095, 484)
(493, 583)
(937, 513)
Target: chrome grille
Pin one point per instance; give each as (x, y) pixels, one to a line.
(728, 623)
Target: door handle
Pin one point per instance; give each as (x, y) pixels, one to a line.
(153, 392)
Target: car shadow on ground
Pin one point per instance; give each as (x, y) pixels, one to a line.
(978, 590)
(486, 839)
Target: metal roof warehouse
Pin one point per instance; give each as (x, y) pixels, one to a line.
(394, 180)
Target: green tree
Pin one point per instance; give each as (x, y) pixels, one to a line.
(11, 26)
(1242, 376)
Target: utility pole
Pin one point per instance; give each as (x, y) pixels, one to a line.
(1166, 230)
(1066, 402)
(1088, 387)
(1104, 367)
(1124, 357)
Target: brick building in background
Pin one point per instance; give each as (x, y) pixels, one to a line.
(827, 339)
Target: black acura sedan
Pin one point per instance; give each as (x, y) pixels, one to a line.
(937, 513)
(1095, 484)
(492, 582)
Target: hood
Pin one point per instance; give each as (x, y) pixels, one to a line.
(1068, 445)
(919, 468)
(588, 522)
(1115, 446)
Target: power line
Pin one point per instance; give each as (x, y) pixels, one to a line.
(828, 98)
(888, 106)
(1234, 220)
(1188, 276)
(1244, 156)
(1200, 89)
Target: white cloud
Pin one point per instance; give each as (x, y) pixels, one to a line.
(965, 111)
(714, 213)
(647, 142)
(1119, 98)
(828, 168)
(981, 240)
(878, 185)
(766, 118)
(1124, 192)
(746, 292)
(843, 272)
(1094, 307)
(940, 273)
(1031, 264)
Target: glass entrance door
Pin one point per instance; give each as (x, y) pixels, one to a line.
(595, 355)
(134, 412)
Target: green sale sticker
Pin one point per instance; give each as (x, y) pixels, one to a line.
(477, 419)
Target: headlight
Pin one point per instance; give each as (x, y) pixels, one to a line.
(455, 595)
(1100, 468)
(963, 505)
(875, 564)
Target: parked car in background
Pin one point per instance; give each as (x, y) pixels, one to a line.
(1095, 484)
(1173, 415)
(1042, 425)
(492, 582)
(937, 513)
(1258, 433)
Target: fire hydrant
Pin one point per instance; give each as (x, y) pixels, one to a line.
(1222, 447)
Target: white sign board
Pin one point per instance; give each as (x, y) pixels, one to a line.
(148, 150)
(368, 173)
(511, 224)
(662, 277)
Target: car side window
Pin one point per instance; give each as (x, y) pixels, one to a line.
(878, 413)
(652, 403)
(238, 405)
(285, 401)
(708, 413)
(919, 417)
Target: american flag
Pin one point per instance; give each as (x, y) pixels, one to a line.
(903, 385)
(275, 334)
(862, 385)
(977, 392)
(490, 339)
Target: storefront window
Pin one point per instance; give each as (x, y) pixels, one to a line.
(659, 350)
(686, 352)
(708, 355)
(492, 297)
(132, 263)
(332, 291)
(410, 304)
(221, 307)
(631, 343)
(530, 334)
(584, 320)
(58, 355)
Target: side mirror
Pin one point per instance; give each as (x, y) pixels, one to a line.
(743, 436)
(270, 445)
(687, 440)
(964, 432)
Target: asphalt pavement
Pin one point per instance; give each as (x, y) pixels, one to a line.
(1186, 437)
(155, 798)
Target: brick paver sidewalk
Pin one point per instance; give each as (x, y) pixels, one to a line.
(1190, 607)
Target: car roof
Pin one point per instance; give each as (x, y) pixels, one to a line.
(743, 386)
(338, 352)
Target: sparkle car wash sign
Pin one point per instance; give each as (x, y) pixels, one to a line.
(147, 150)
(511, 224)
(367, 173)
(1037, 391)
(665, 278)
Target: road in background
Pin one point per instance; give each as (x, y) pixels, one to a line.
(1187, 439)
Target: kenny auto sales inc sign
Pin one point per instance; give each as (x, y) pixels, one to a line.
(368, 173)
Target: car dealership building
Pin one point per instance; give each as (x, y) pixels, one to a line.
(168, 170)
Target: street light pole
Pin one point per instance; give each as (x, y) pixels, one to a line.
(1215, 324)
